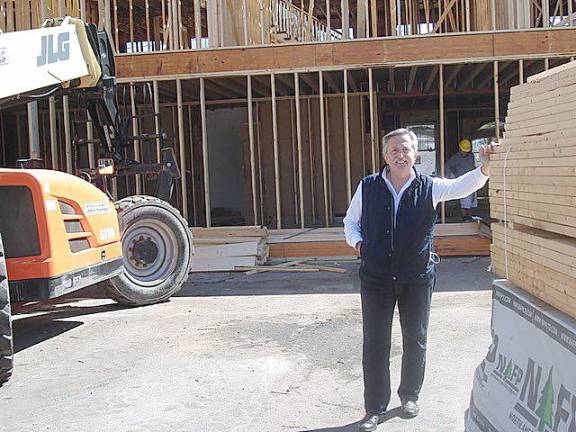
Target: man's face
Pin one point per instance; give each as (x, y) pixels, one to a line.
(400, 155)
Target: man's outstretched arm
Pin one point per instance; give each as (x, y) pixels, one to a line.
(450, 189)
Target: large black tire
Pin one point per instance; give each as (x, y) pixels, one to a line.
(6, 345)
(157, 249)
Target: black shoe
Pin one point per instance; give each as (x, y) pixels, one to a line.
(370, 422)
(410, 409)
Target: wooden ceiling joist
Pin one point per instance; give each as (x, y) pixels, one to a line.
(216, 88)
(287, 80)
(258, 89)
(282, 89)
(332, 82)
(262, 81)
(502, 68)
(352, 82)
(411, 78)
(487, 80)
(311, 82)
(284, 85)
(232, 85)
(391, 81)
(512, 73)
(452, 75)
(476, 69)
(431, 78)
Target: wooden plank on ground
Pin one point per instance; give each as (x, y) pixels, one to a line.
(225, 264)
(227, 250)
(251, 231)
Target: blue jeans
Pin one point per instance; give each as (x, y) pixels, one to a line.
(378, 303)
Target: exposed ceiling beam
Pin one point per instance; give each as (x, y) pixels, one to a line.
(258, 89)
(282, 88)
(473, 74)
(411, 78)
(257, 86)
(231, 85)
(331, 82)
(489, 79)
(503, 77)
(352, 81)
(391, 81)
(262, 81)
(286, 80)
(515, 72)
(431, 78)
(434, 92)
(216, 88)
(311, 82)
(453, 74)
(508, 77)
(535, 68)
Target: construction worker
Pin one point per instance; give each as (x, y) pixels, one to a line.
(390, 222)
(461, 163)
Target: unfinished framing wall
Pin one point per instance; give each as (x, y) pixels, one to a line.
(321, 154)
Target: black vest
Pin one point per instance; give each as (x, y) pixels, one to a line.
(402, 253)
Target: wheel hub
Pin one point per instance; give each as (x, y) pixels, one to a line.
(150, 251)
(144, 251)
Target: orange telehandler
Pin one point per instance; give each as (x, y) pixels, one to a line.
(59, 232)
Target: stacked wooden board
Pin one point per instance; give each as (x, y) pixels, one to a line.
(239, 248)
(312, 242)
(226, 248)
(449, 240)
(533, 189)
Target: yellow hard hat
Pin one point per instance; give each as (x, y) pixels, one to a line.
(465, 145)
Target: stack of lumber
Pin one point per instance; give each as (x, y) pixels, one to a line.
(540, 262)
(226, 248)
(242, 248)
(533, 189)
(539, 152)
(463, 239)
(313, 242)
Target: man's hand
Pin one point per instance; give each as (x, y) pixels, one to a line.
(358, 247)
(485, 152)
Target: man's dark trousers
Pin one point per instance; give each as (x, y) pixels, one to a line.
(378, 302)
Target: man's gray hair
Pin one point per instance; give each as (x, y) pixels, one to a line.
(397, 132)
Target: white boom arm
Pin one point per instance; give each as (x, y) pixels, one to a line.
(46, 57)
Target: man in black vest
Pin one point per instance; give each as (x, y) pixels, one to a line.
(390, 222)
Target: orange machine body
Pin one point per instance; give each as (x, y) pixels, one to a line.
(60, 233)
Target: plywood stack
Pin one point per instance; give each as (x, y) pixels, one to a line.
(449, 240)
(533, 189)
(226, 248)
(313, 242)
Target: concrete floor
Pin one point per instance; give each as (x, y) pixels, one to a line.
(268, 352)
